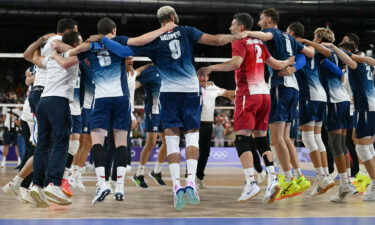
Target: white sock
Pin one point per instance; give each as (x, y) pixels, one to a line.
(343, 178)
(319, 171)
(157, 168)
(18, 160)
(192, 170)
(4, 159)
(288, 175)
(326, 171)
(141, 170)
(175, 175)
(249, 175)
(271, 173)
(348, 173)
(100, 174)
(17, 180)
(298, 172)
(121, 172)
(66, 173)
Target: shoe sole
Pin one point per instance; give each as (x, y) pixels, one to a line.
(38, 200)
(324, 190)
(272, 199)
(192, 199)
(155, 180)
(250, 197)
(68, 193)
(181, 203)
(57, 199)
(119, 197)
(104, 194)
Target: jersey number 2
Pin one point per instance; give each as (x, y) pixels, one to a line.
(175, 48)
(258, 50)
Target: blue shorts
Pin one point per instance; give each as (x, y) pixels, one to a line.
(284, 103)
(153, 123)
(311, 111)
(10, 138)
(294, 125)
(86, 117)
(111, 112)
(76, 124)
(364, 124)
(180, 109)
(338, 116)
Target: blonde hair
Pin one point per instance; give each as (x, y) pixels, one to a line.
(164, 13)
(325, 34)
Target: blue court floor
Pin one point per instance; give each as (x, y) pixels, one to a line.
(196, 221)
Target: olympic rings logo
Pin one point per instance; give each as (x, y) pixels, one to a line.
(219, 154)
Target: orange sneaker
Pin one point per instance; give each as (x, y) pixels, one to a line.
(65, 187)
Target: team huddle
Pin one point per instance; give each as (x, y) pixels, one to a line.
(83, 92)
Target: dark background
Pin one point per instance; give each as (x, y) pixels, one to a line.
(23, 21)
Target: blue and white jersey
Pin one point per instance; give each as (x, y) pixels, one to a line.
(75, 106)
(172, 54)
(282, 46)
(151, 82)
(87, 85)
(109, 74)
(310, 87)
(333, 84)
(362, 84)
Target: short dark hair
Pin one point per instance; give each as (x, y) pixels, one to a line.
(354, 38)
(71, 38)
(273, 13)
(349, 46)
(66, 24)
(244, 19)
(105, 26)
(298, 29)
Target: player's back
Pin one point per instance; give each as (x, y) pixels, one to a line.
(173, 56)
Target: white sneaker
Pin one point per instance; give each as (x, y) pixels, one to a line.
(3, 164)
(249, 191)
(79, 183)
(72, 180)
(25, 196)
(12, 189)
(56, 195)
(353, 189)
(128, 168)
(200, 184)
(322, 185)
(119, 191)
(260, 177)
(369, 194)
(333, 175)
(341, 194)
(102, 191)
(179, 197)
(39, 197)
(271, 192)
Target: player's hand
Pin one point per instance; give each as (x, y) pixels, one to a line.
(204, 71)
(241, 35)
(287, 71)
(328, 45)
(169, 26)
(46, 36)
(94, 38)
(291, 61)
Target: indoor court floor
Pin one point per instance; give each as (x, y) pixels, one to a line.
(218, 205)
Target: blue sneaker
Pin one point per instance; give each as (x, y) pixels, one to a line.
(179, 198)
(192, 195)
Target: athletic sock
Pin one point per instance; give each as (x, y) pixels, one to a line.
(271, 173)
(192, 170)
(298, 172)
(141, 170)
(157, 168)
(121, 172)
(343, 178)
(249, 175)
(100, 174)
(319, 172)
(326, 171)
(175, 175)
(348, 173)
(17, 180)
(288, 175)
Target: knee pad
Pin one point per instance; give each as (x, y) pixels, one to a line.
(73, 147)
(363, 152)
(266, 161)
(335, 144)
(261, 144)
(173, 144)
(242, 144)
(98, 155)
(320, 143)
(121, 156)
(192, 139)
(308, 140)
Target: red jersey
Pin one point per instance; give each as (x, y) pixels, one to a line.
(250, 75)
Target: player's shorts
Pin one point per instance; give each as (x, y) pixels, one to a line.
(364, 123)
(86, 118)
(311, 111)
(293, 133)
(115, 110)
(251, 112)
(338, 116)
(180, 109)
(153, 123)
(284, 102)
(76, 124)
(10, 138)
